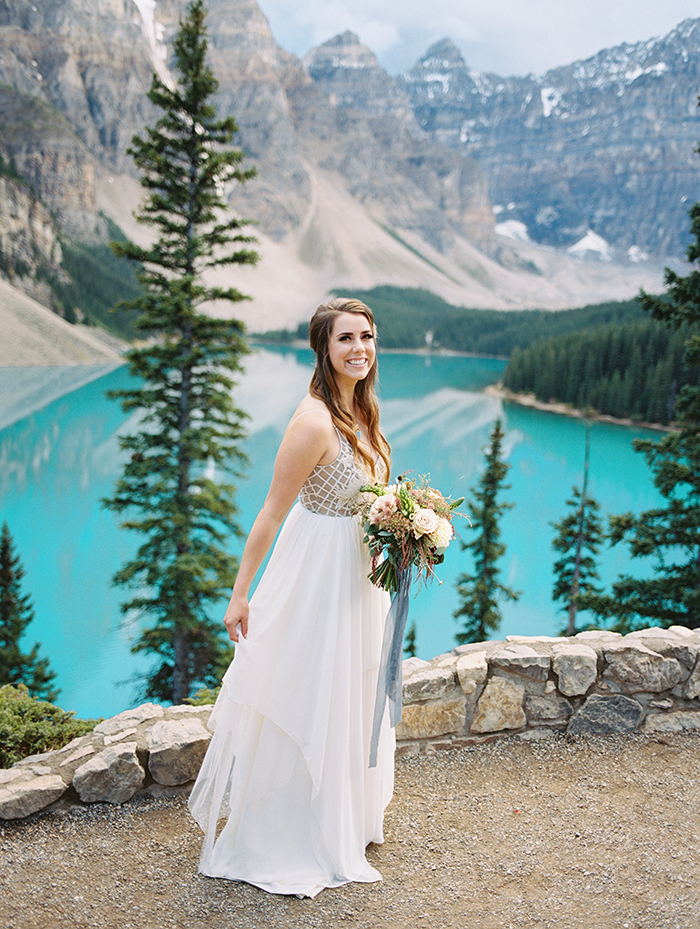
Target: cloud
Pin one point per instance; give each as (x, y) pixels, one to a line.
(503, 36)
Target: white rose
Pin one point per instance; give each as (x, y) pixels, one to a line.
(442, 536)
(425, 521)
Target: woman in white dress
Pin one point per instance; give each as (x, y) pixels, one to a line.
(288, 764)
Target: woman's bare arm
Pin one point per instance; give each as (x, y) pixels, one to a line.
(307, 441)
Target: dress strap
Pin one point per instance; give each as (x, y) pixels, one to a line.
(304, 412)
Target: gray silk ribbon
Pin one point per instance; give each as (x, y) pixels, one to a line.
(389, 680)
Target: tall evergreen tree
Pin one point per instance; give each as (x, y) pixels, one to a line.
(481, 591)
(670, 534)
(190, 431)
(578, 540)
(409, 642)
(16, 613)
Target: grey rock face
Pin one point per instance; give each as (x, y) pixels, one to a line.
(521, 660)
(606, 714)
(113, 776)
(428, 683)
(576, 666)
(631, 111)
(176, 750)
(550, 709)
(500, 707)
(636, 668)
(20, 796)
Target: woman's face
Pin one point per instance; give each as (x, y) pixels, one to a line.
(351, 348)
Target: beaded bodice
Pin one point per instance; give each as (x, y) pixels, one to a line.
(331, 489)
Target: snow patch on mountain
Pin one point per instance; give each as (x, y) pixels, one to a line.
(513, 229)
(591, 244)
(154, 33)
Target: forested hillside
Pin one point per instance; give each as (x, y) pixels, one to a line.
(631, 371)
(413, 319)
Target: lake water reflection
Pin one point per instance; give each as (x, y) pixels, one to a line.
(57, 462)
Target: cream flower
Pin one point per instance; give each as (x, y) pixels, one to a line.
(425, 521)
(442, 536)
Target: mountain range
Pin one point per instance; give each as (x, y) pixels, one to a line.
(497, 192)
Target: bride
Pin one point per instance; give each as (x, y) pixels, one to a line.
(287, 766)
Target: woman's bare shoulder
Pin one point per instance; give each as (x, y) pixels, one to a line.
(314, 430)
(319, 422)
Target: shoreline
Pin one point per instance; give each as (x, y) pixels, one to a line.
(564, 409)
(381, 349)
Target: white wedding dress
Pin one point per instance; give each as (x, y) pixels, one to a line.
(287, 765)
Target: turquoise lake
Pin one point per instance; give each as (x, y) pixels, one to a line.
(59, 456)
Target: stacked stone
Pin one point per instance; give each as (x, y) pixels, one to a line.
(150, 749)
(590, 684)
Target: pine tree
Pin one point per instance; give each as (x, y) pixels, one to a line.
(578, 539)
(481, 591)
(670, 534)
(409, 645)
(16, 613)
(189, 428)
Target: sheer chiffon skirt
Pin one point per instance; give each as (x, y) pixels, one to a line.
(287, 766)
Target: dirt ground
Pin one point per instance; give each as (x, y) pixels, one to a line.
(572, 834)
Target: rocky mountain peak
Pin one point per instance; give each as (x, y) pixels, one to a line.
(441, 74)
(603, 146)
(342, 51)
(442, 56)
(350, 74)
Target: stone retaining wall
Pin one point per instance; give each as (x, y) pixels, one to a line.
(591, 684)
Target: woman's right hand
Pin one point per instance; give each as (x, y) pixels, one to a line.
(237, 616)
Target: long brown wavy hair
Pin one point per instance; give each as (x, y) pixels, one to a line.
(324, 387)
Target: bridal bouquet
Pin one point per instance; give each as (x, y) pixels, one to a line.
(407, 525)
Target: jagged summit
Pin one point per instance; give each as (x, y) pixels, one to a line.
(364, 178)
(441, 55)
(606, 145)
(342, 53)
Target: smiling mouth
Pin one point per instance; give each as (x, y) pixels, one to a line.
(357, 361)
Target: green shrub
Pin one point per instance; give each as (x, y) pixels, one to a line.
(204, 697)
(30, 727)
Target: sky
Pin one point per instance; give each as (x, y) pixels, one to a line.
(505, 37)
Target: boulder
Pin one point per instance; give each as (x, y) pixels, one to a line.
(690, 689)
(521, 660)
(667, 644)
(472, 669)
(176, 750)
(672, 722)
(600, 715)
(411, 665)
(550, 709)
(427, 720)
(576, 667)
(129, 719)
(112, 776)
(597, 639)
(428, 683)
(500, 707)
(21, 796)
(636, 669)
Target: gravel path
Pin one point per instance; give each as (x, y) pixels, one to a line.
(572, 834)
